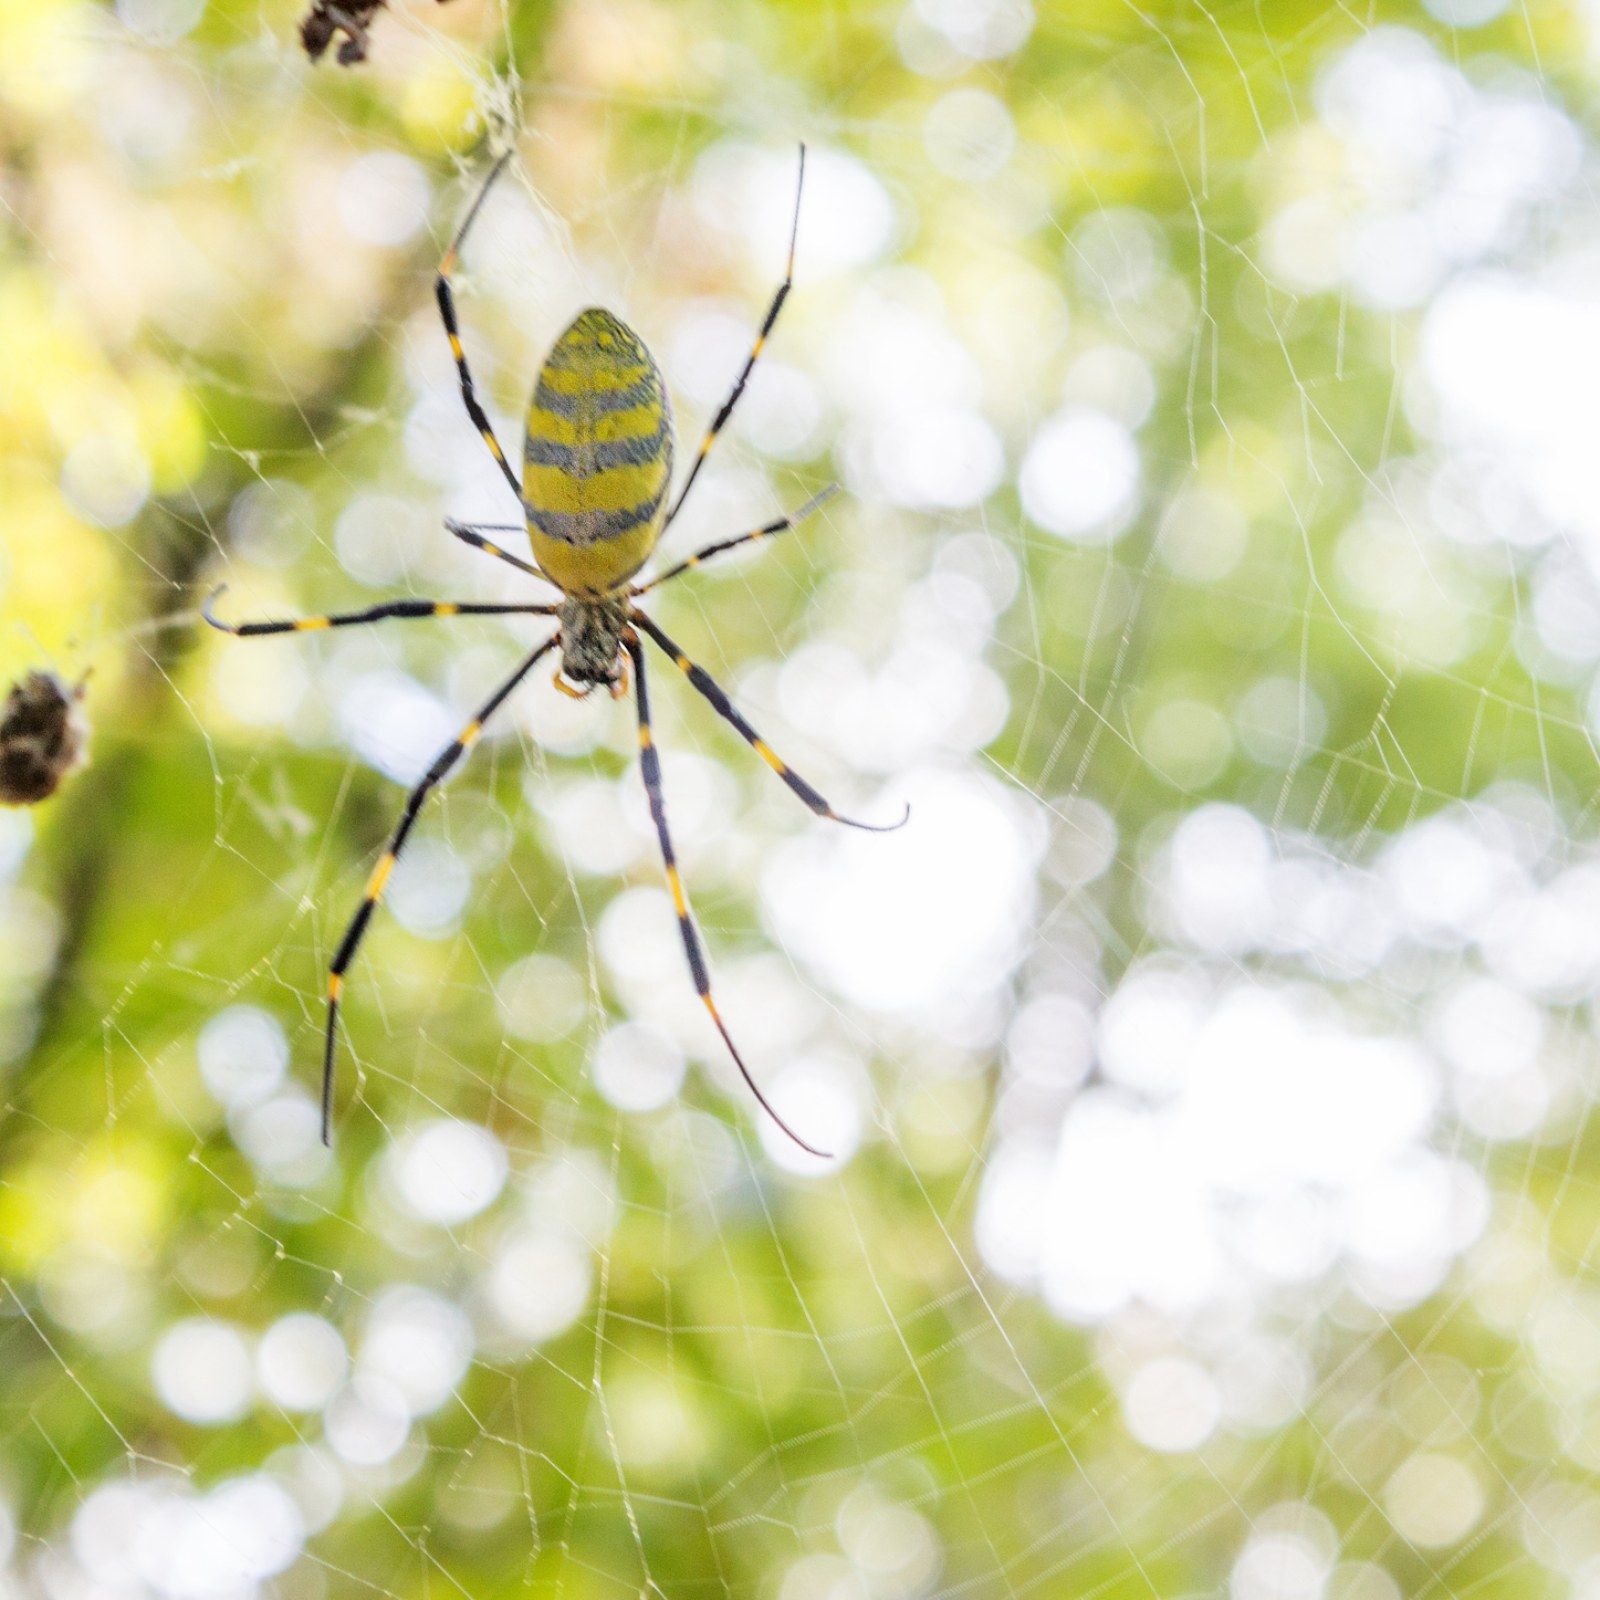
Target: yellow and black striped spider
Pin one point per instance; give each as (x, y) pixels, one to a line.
(597, 468)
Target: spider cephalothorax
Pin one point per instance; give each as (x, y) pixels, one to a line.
(590, 641)
(597, 473)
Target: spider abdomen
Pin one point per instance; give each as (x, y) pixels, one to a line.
(597, 460)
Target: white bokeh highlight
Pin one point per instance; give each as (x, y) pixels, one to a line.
(301, 1361)
(940, 909)
(1080, 476)
(244, 1056)
(447, 1171)
(1244, 1139)
(637, 1067)
(203, 1372)
(416, 1345)
(167, 1539)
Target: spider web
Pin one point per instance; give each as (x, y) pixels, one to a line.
(1208, 1063)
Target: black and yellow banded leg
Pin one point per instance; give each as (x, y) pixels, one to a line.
(650, 766)
(447, 310)
(473, 534)
(721, 419)
(353, 935)
(712, 690)
(378, 613)
(818, 500)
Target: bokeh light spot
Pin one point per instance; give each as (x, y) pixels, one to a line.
(448, 1171)
(203, 1372)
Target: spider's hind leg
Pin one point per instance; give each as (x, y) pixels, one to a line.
(356, 932)
(650, 767)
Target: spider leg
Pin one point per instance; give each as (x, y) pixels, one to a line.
(351, 619)
(469, 533)
(722, 416)
(353, 935)
(650, 766)
(724, 707)
(447, 310)
(818, 500)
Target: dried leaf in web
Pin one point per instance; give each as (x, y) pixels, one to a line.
(326, 19)
(43, 737)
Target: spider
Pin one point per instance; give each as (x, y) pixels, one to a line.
(597, 470)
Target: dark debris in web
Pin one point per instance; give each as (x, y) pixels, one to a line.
(327, 19)
(43, 737)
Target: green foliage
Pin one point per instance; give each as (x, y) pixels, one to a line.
(768, 1379)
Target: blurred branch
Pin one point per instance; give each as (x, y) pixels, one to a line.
(85, 842)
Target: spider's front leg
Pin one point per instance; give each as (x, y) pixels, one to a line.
(447, 313)
(409, 609)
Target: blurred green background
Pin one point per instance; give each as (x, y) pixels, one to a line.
(1209, 1063)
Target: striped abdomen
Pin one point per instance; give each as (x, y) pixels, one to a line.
(598, 457)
